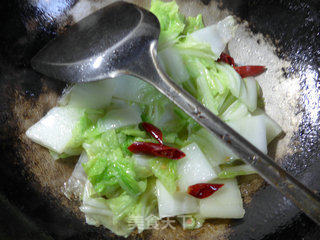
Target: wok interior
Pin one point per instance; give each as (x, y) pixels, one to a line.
(32, 95)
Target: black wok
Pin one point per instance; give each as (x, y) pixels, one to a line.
(32, 205)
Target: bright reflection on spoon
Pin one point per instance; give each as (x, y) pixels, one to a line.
(97, 62)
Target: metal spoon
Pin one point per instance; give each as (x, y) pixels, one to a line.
(122, 39)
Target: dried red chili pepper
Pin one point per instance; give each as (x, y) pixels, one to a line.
(203, 190)
(249, 71)
(156, 149)
(153, 131)
(244, 71)
(227, 59)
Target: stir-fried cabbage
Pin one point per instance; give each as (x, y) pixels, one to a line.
(100, 120)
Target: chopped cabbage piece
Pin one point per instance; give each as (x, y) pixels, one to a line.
(175, 204)
(59, 129)
(118, 118)
(224, 203)
(217, 35)
(194, 168)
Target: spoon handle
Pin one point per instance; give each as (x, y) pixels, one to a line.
(300, 195)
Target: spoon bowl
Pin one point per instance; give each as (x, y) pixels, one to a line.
(102, 45)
